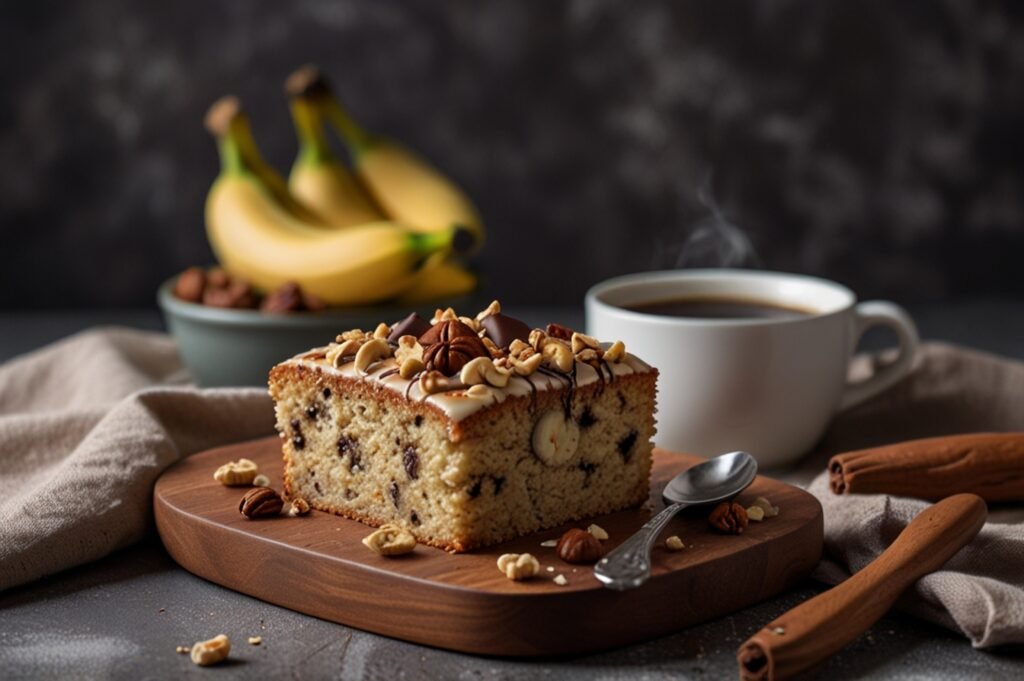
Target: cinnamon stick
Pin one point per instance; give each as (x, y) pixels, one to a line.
(811, 632)
(990, 465)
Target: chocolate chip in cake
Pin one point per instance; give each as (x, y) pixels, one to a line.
(414, 519)
(622, 400)
(347, 445)
(419, 421)
(474, 491)
(327, 393)
(393, 491)
(587, 467)
(294, 423)
(503, 329)
(587, 418)
(626, 446)
(316, 486)
(413, 325)
(298, 441)
(312, 411)
(411, 462)
(499, 482)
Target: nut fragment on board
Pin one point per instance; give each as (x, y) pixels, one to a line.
(770, 511)
(728, 518)
(674, 543)
(183, 649)
(261, 481)
(755, 514)
(390, 540)
(549, 543)
(578, 546)
(260, 502)
(236, 473)
(599, 532)
(298, 507)
(206, 653)
(560, 580)
(255, 640)
(518, 566)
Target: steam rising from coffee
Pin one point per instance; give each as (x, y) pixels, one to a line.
(712, 241)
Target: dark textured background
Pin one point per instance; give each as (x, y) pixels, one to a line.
(875, 142)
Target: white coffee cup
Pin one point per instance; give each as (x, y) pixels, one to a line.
(765, 385)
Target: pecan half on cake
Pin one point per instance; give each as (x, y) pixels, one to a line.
(467, 431)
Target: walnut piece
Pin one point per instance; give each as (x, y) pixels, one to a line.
(206, 653)
(236, 473)
(518, 566)
(728, 518)
(390, 540)
(260, 502)
(578, 546)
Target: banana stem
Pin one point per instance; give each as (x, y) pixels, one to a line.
(309, 126)
(355, 137)
(458, 239)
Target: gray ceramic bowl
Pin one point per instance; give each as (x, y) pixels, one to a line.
(223, 347)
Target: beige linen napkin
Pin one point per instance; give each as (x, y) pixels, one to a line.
(86, 426)
(980, 591)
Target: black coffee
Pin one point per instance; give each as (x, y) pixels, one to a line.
(719, 308)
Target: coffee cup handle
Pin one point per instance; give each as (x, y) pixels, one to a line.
(875, 313)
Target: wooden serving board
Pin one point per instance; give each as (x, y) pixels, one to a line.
(316, 564)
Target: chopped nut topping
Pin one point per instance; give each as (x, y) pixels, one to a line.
(674, 543)
(206, 653)
(537, 339)
(518, 566)
(493, 308)
(525, 367)
(338, 354)
(581, 342)
(410, 367)
(615, 353)
(435, 382)
(481, 370)
(471, 323)
(236, 473)
(390, 540)
(372, 351)
(557, 355)
(494, 350)
(443, 315)
(382, 331)
(351, 334)
(598, 532)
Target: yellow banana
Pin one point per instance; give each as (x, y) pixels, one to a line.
(318, 177)
(439, 278)
(402, 183)
(256, 238)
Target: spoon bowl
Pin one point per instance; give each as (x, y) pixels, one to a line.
(714, 480)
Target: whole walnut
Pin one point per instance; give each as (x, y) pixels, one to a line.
(449, 345)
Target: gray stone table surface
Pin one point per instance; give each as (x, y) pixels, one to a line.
(121, 617)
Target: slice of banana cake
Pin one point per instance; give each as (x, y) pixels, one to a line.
(468, 431)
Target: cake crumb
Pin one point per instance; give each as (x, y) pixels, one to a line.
(560, 580)
(255, 640)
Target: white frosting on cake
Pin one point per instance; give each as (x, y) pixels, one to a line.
(455, 404)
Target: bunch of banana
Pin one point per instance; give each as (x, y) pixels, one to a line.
(261, 232)
(401, 185)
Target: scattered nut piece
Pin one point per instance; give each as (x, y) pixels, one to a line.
(557, 355)
(443, 315)
(408, 348)
(550, 568)
(183, 649)
(493, 308)
(206, 653)
(518, 566)
(558, 331)
(755, 513)
(338, 353)
(769, 510)
(260, 502)
(527, 366)
(261, 481)
(578, 546)
(472, 323)
(598, 532)
(582, 341)
(255, 640)
(550, 543)
(560, 580)
(589, 356)
(371, 352)
(298, 507)
(537, 339)
(729, 518)
(492, 348)
(615, 353)
(410, 367)
(382, 331)
(674, 543)
(351, 334)
(435, 382)
(236, 473)
(390, 540)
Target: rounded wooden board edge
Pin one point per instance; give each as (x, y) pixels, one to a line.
(362, 590)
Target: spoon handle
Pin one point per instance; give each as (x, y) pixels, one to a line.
(629, 565)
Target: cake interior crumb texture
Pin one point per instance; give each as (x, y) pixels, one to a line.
(361, 450)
